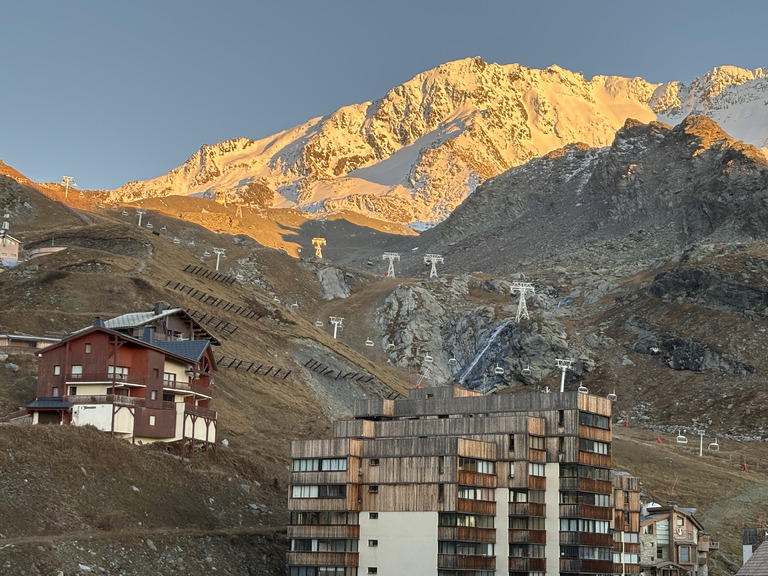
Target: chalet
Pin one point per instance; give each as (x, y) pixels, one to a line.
(9, 250)
(672, 542)
(756, 564)
(147, 389)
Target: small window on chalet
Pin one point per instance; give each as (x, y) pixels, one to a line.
(153, 395)
(511, 442)
(374, 461)
(167, 397)
(441, 493)
(87, 348)
(151, 420)
(430, 395)
(169, 376)
(537, 443)
(373, 543)
(77, 371)
(56, 370)
(72, 391)
(373, 515)
(373, 570)
(55, 391)
(373, 489)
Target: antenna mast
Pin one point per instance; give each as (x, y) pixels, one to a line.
(524, 288)
(392, 256)
(433, 259)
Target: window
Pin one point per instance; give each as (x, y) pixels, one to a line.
(151, 420)
(305, 492)
(535, 469)
(55, 391)
(440, 464)
(323, 518)
(476, 493)
(57, 370)
(87, 348)
(168, 377)
(479, 466)
(331, 464)
(465, 548)
(511, 469)
(77, 371)
(537, 443)
(117, 372)
(72, 391)
(306, 465)
(373, 543)
(593, 446)
(511, 442)
(685, 554)
(465, 520)
(441, 493)
(373, 516)
(594, 420)
(560, 418)
(153, 395)
(322, 491)
(373, 570)
(374, 462)
(167, 397)
(373, 489)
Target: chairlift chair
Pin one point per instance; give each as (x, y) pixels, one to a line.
(612, 396)
(125, 212)
(368, 342)
(583, 390)
(191, 243)
(149, 225)
(452, 360)
(499, 371)
(714, 446)
(390, 346)
(526, 371)
(206, 253)
(176, 241)
(680, 438)
(318, 322)
(276, 299)
(239, 277)
(428, 358)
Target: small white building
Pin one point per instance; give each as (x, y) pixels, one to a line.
(9, 250)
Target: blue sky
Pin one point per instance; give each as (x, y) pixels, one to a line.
(113, 91)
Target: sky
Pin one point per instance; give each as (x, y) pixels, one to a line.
(112, 91)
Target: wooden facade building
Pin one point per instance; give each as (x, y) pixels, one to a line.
(453, 483)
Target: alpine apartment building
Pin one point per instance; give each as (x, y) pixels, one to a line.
(453, 483)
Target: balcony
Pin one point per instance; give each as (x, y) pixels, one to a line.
(199, 411)
(105, 399)
(187, 388)
(460, 562)
(115, 380)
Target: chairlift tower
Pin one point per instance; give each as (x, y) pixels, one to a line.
(524, 288)
(433, 259)
(337, 323)
(66, 180)
(140, 213)
(392, 256)
(219, 253)
(5, 225)
(563, 364)
(318, 243)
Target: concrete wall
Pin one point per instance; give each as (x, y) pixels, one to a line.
(552, 521)
(407, 543)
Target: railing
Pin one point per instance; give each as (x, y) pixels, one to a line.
(105, 377)
(200, 411)
(188, 387)
(105, 399)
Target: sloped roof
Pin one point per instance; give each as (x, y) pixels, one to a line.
(138, 319)
(49, 404)
(190, 349)
(757, 564)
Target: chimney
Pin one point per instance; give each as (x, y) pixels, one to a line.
(148, 335)
(160, 306)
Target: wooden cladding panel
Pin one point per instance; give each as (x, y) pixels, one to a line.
(476, 507)
(475, 479)
(527, 536)
(337, 531)
(453, 561)
(528, 564)
(466, 534)
(322, 558)
(595, 433)
(415, 469)
(326, 448)
(408, 498)
(597, 460)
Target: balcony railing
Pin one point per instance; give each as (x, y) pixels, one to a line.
(106, 378)
(105, 399)
(200, 411)
(188, 387)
